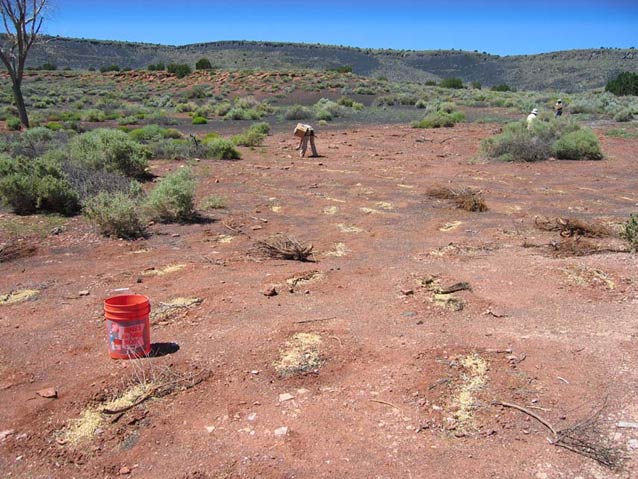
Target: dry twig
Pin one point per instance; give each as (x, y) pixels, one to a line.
(582, 438)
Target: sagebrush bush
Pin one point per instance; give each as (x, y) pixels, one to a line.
(115, 214)
(578, 145)
(298, 112)
(455, 83)
(110, 150)
(31, 185)
(94, 115)
(173, 198)
(562, 138)
(222, 149)
(154, 133)
(87, 182)
(438, 119)
(212, 202)
(199, 120)
(253, 136)
(180, 70)
(630, 232)
(13, 123)
(623, 115)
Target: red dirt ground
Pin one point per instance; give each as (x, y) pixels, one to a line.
(383, 402)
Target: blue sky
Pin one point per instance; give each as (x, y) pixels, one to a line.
(496, 26)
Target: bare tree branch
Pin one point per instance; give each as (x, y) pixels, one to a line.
(22, 21)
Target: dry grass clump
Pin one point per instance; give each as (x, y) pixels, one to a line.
(570, 227)
(15, 249)
(282, 246)
(465, 198)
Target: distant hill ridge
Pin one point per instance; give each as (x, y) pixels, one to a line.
(572, 70)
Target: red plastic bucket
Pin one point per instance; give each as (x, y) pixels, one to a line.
(127, 326)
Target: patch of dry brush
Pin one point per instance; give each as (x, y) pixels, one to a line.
(15, 249)
(570, 227)
(282, 246)
(464, 198)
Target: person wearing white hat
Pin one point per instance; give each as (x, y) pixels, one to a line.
(558, 108)
(531, 118)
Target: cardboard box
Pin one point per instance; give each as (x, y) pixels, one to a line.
(300, 130)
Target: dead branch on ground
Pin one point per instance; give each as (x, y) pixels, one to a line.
(583, 437)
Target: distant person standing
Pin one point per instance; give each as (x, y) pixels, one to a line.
(531, 118)
(558, 108)
(306, 134)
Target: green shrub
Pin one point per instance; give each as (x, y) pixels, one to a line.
(173, 198)
(203, 64)
(476, 85)
(626, 83)
(298, 112)
(180, 70)
(153, 132)
(253, 136)
(445, 115)
(109, 68)
(111, 150)
(222, 149)
(630, 232)
(115, 214)
(243, 114)
(421, 104)
(455, 83)
(562, 138)
(156, 67)
(323, 115)
(54, 126)
(48, 67)
(578, 145)
(199, 120)
(94, 115)
(198, 91)
(502, 87)
(340, 69)
(212, 202)
(14, 123)
(30, 185)
(345, 101)
(623, 115)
